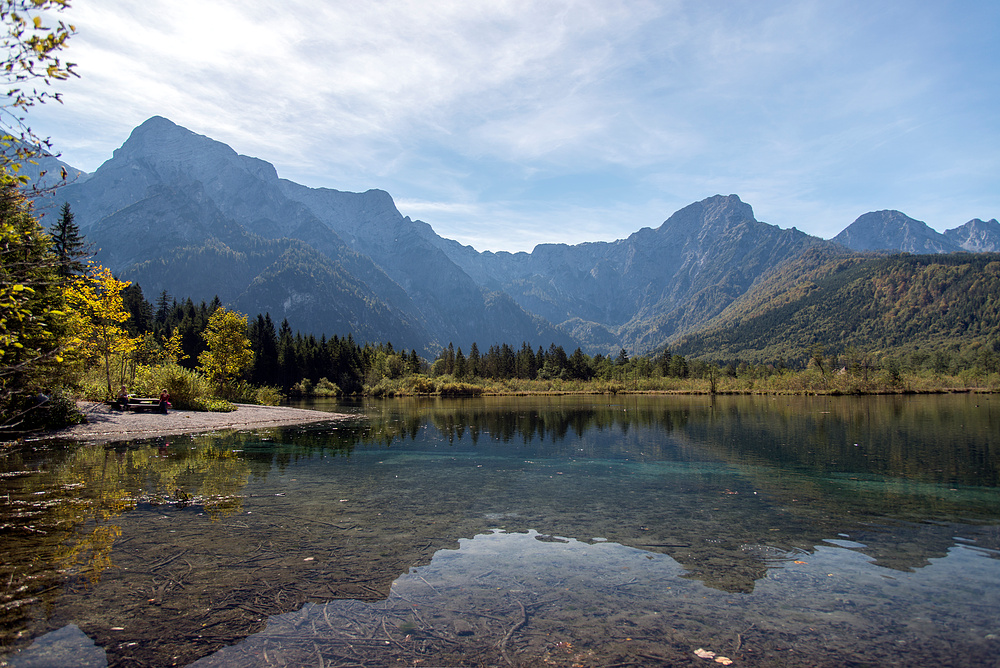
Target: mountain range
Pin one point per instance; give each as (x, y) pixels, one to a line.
(175, 211)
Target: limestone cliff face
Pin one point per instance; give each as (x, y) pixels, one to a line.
(649, 287)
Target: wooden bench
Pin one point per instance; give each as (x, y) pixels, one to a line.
(143, 404)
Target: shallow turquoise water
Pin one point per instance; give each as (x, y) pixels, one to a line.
(521, 531)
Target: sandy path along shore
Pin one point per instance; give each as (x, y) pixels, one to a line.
(106, 424)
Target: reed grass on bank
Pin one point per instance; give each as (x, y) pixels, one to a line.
(809, 382)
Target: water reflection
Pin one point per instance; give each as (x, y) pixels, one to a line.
(607, 604)
(61, 508)
(174, 552)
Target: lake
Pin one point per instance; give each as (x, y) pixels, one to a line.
(524, 531)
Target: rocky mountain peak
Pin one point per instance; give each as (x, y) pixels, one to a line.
(158, 136)
(717, 212)
(893, 230)
(172, 151)
(977, 236)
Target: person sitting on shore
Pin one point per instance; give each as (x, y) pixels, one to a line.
(121, 402)
(164, 401)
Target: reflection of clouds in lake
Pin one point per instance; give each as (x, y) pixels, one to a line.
(67, 646)
(527, 597)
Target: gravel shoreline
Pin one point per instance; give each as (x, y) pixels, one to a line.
(104, 424)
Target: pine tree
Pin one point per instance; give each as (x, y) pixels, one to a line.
(162, 307)
(413, 364)
(449, 359)
(68, 244)
(140, 311)
(264, 341)
(474, 361)
(526, 362)
(578, 366)
(288, 362)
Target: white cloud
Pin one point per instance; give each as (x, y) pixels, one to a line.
(809, 110)
(373, 70)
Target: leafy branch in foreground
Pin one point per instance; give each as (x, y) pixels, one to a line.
(34, 324)
(32, 47)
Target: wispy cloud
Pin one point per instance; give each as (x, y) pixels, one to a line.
(808, 109)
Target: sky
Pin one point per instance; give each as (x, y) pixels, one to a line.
(509, 123)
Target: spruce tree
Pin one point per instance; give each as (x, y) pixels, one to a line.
(140, 311)
(68, 244)
(475, 362)
(413, 365)
(162, 307)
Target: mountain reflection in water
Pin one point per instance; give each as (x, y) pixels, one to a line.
(735, 504)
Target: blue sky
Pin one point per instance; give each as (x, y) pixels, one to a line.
(505, 124)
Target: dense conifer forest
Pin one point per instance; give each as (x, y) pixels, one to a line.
(298, 364)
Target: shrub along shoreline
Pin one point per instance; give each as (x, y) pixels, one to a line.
(807, 382)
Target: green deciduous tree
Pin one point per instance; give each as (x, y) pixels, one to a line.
(229, 351)
(33, 334)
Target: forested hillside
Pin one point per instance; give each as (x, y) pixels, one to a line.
(896, 304)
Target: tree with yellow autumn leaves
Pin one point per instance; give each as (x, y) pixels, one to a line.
(98, 318)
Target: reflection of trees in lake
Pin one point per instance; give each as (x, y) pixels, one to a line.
(59, 507)
(938, 438)
(838, 456)
(799, 453)
(544, 426)
(724, 486)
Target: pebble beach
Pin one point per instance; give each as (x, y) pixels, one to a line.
(105, 424)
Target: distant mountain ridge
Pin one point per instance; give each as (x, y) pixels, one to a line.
(894, 230)
(976, 236)
(176, 211)
(650, 286)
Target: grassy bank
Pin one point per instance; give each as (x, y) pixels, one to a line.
(809, 382)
